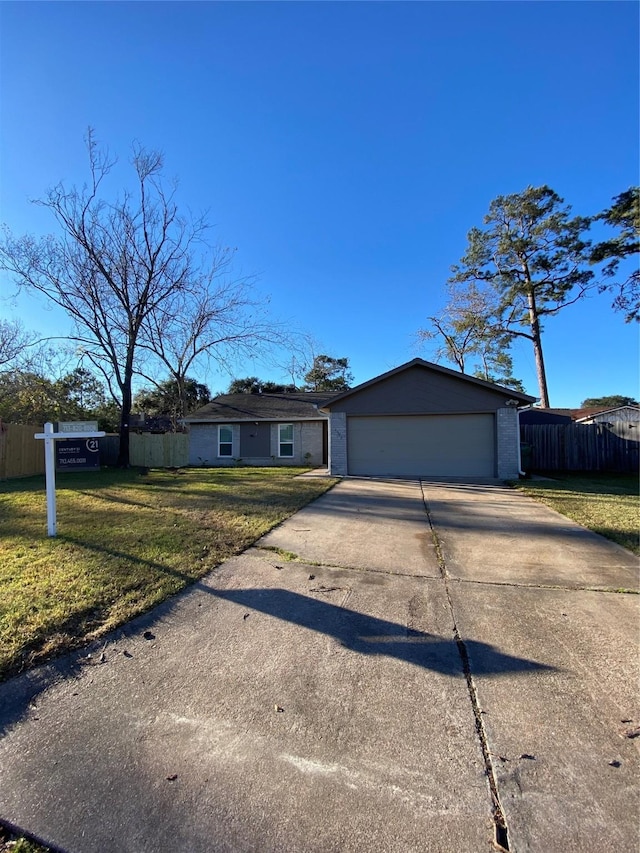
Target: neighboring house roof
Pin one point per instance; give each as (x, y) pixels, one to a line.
(522, 399)
(577, 415)
(539, 415)
(553, 411)
(586, 414)
(294, 406)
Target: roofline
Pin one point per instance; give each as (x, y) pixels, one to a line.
(283, 420)
(597, 412)
(420, 362)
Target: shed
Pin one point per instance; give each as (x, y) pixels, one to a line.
(623, 421)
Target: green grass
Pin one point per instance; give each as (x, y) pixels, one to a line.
(605, 503)
(126, 541)
(10, 843)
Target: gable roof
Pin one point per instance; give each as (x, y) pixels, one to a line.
(523, 399)
(294, 406)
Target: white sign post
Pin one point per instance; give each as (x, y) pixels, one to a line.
(50, 437)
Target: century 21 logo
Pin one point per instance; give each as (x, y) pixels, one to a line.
(92, 445)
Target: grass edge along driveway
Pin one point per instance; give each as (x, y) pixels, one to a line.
(126, 541)
(608, 504)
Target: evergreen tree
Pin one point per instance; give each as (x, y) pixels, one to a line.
(529, 261)
(624, 216)
(328, 374)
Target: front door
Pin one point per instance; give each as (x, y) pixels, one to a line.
(255, 441)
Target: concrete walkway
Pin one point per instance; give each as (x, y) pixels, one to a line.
(386, 691)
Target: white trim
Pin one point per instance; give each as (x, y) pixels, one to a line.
(281, 442)
(224, 455)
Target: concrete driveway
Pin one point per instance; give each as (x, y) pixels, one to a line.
(442, 666)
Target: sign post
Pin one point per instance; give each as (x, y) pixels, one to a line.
(49, 437)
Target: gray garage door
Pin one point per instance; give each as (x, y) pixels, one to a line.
(437, 445)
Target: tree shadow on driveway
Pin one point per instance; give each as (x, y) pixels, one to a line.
(357, 632)
(368, 635)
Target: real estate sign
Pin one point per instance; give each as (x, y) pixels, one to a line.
(77, 453)
(51, 438)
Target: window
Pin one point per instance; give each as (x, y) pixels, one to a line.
(225, 441)
(285, 440)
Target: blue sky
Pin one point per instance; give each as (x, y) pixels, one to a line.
(345, 149)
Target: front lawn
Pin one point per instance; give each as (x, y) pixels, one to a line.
(12, 843)
(605, 503)
(126, 541)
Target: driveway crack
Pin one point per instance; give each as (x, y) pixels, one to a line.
(500, 823)
(291, 557)
(609, 590)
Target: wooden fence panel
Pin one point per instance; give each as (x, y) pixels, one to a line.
(147, 450)
(109, 447)
(21, 455)
(169, 450)
(579, 447)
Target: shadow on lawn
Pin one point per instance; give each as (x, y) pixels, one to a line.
(19, 692)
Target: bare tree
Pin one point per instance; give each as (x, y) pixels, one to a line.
(461, 327)
(113, 266)
(301, 353)
(468, 338)
(214, 317)
(15, 341)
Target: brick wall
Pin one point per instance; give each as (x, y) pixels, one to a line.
(307, 438)
(338, 444)
(508, 450)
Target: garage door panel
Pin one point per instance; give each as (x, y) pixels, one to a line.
(436, 445)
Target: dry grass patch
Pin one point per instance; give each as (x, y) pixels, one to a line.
(607, 504)
(126, 541)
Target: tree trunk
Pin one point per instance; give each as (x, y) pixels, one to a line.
(534, 321)
(182, 402)
(125, 416)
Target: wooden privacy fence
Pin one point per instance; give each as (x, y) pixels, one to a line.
(21, 455)
(150, 450)
(579, 447)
